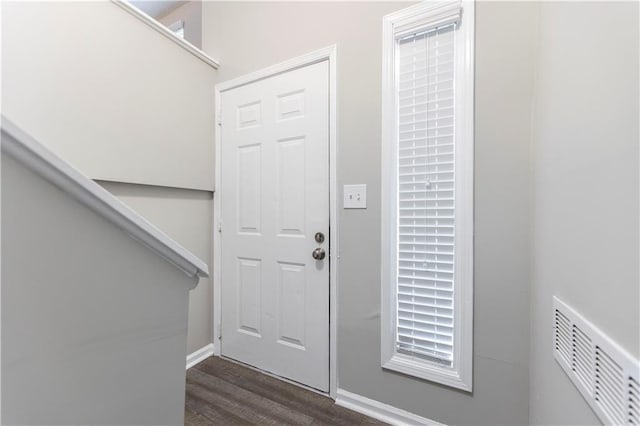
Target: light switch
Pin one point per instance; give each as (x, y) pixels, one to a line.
(355, 196)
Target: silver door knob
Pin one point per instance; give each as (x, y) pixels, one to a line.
(318, 254)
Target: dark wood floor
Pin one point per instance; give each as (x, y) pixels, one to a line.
(221, 392)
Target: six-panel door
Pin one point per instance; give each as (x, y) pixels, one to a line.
(274, 194)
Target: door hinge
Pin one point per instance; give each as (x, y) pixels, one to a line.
(219, 331)
(219, 120)
(219, 226)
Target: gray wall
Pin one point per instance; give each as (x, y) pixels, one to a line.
(585, 189)
(184, 215)
(119, 102)
(94, 323)
(107, 93)
(249, 36)
(191, 14)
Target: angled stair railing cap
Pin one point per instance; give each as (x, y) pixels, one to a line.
(149, 21)
(36, 157)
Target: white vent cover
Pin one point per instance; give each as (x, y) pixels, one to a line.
(607, 376)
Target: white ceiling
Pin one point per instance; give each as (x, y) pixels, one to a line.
(156, 8)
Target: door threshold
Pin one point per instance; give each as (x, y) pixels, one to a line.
(275, 376)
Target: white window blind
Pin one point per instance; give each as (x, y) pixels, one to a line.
(426, 196)
(427, 192)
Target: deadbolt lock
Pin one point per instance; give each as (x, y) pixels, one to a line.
(319, 237)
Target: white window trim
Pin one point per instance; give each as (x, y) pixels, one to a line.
(395, 25)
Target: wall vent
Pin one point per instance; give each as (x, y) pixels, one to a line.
(607, 376)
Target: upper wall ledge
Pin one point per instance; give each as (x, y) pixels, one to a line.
(167, 33)
(40, 160)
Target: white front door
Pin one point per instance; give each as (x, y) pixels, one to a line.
(274, 195)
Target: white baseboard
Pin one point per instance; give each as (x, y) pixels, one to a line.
(199, 355)
(380, 411)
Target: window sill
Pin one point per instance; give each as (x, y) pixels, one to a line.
(427, 371)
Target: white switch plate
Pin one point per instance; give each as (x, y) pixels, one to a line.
(355, 196)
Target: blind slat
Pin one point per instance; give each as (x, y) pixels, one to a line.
(426, 178)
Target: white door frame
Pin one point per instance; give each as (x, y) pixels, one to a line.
(326, 54)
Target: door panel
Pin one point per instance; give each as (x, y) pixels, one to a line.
(249, 288)
(249, 189)
(274, 195)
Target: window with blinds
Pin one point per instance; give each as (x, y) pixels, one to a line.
(427, 233)
(426, 194)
